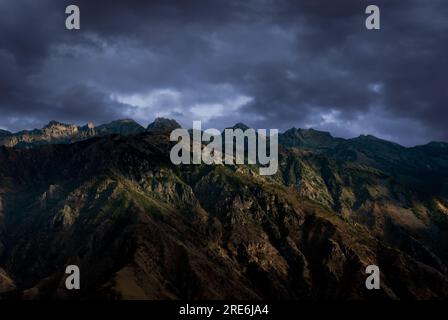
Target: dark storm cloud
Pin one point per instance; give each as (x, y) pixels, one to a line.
(272, 64)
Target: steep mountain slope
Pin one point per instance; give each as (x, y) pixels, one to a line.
(391, 189)
(4, 133)
(140, 227)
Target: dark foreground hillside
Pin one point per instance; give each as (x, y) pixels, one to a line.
(140, 227)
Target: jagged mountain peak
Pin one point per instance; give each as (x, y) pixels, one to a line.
(123, 126)
(88, 126)
(308, 138)
(163, 124)
(369, 137)
(58, 132)
(241, 126)
(123, 121)
(54, 123)
(56, 129)
(308, 131)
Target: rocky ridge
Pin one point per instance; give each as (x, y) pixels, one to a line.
(140, 227)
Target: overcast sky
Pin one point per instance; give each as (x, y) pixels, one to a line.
(269, 64)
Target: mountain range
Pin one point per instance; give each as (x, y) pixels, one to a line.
(109, 200)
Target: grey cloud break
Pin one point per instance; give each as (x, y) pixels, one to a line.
(269, 64)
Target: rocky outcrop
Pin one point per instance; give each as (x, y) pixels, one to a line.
(56, 132)
(6, 283)
(163, 125)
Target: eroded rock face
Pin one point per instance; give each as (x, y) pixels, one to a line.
(52, 132)
(140, 227)
(6, 283)
(56, 132)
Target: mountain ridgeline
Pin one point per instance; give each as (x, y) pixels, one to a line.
(109, 200)
(57, 132)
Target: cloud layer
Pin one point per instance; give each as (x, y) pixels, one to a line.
(270, 64)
